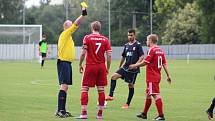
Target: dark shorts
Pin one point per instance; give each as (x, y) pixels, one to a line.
(129, 77)
(64, 69)
(43, 54)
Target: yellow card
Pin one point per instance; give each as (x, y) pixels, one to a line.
(84, 4)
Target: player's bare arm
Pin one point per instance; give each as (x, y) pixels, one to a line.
(138, 64)
(140, 59)
(108, 54)
(167, 73)
(82, 56)
(122, 60)
(134, 66)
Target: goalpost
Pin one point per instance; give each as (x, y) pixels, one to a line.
(19, 42)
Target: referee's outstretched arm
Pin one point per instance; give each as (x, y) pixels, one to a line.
(79, 19)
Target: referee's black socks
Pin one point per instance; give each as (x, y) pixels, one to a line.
(62, 100)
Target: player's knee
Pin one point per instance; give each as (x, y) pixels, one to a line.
(148, 96)
(157, 96)
(100, 89)
(84, 89)
(115, 76)
(64, 87)
(130, 85)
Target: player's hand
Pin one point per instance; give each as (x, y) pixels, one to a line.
(132, 66)
(107, 71)
(84, 8)
(169, 79)
(81, 69)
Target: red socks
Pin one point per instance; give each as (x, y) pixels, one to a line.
(101, 101)
(84, 102)
(159, 105)
(148, 103)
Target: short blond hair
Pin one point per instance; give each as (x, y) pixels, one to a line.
(96, 26)
(153, 37)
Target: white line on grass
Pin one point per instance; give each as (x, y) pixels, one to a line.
(39, 82)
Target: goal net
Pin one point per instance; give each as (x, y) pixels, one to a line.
(19, 42)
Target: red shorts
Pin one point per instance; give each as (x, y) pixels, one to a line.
(152, 88)
(95, 75)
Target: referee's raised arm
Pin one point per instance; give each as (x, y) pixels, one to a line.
(84, 13)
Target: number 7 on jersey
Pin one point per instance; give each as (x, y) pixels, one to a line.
(98, 47)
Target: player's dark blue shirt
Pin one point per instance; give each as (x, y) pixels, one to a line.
(131, 53)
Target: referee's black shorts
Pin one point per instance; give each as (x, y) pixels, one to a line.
(64, 69)
(43, 54)
(129, 77)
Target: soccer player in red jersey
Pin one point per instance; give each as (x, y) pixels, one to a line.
(95, 46)
(154, 61)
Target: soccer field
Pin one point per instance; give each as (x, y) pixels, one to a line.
(28, 93)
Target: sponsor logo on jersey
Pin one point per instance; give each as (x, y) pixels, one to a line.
(129, 54)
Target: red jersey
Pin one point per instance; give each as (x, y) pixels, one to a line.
(155, 59)
(96, 46)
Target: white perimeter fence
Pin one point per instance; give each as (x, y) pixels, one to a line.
(30, 51)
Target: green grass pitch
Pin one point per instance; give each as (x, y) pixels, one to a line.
(28, 93)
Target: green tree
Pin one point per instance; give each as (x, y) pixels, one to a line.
(51, 18)
(122, 13)
(97, 11)
(182, 3)
(163, 11)
(207, 8)
(184, 27)
(11, 11)
(165, 6)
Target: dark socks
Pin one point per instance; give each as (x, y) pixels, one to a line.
(42, 63)
(130, 95)
(61, 100)
(211, 108)
(112, 87)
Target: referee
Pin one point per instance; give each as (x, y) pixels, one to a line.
(66, 55)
